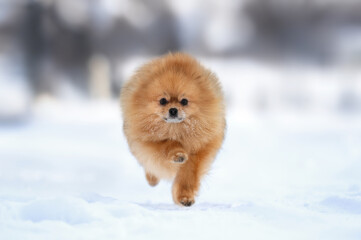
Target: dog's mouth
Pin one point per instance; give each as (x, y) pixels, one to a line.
(173, 119)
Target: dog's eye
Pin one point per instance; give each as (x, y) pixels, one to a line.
(184, 102)
(163, 101)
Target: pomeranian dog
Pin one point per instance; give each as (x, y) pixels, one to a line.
(174, 122)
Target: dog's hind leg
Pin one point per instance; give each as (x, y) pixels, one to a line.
(152, 180)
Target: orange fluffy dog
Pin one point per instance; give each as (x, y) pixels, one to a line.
(174, 121)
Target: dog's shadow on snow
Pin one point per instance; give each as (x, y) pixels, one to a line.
(173, 207)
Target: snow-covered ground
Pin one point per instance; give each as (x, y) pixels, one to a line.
(287, 169)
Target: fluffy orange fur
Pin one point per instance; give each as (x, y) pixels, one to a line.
(183, 148)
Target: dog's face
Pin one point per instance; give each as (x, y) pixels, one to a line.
(175, 111)
(173, 98)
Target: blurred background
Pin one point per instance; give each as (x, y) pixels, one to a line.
(62, 49)
(291, 74)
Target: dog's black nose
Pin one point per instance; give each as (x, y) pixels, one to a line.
(173, 112)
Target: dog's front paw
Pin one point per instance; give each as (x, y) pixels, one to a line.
(186, 201)
(180, 157)
(183, 196)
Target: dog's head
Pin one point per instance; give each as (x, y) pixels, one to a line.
(173, 90)
(173, 97)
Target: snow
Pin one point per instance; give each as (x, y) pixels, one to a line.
(281, 174)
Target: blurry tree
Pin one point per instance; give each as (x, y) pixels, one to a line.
(33, 43)
(301, 28)
(60, 37)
